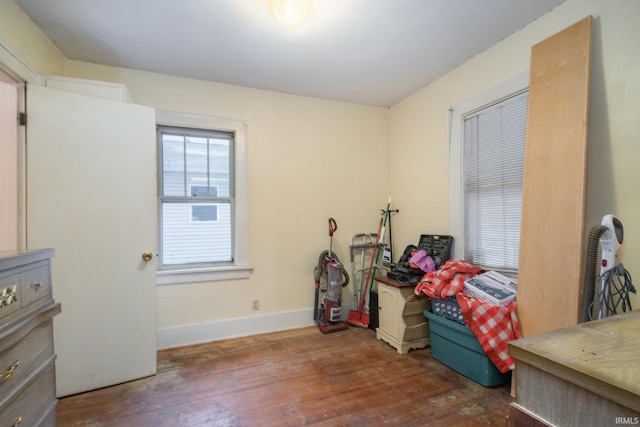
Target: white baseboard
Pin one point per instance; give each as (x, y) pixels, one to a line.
(181, 336)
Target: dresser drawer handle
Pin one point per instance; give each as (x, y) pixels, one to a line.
(18, 421)
(35, 285)
(8, 295)
(9, 371)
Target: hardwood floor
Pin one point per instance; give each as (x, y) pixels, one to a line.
(293, 378)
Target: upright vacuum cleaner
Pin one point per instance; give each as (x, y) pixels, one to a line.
(330, 278)
(607, 294)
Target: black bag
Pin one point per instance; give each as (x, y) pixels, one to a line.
(437, 247)
(404, 271)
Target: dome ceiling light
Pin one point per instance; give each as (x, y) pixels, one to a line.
(291, 12)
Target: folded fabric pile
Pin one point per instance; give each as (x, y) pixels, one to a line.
(448, 281)
(494, 326)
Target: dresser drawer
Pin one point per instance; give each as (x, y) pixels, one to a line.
(10, 300)
(33, 401)
(35, 284)
(50, 419)
(22, 286)
(18, 361)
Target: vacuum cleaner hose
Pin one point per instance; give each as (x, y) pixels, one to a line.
(321, 268)
(590, 274)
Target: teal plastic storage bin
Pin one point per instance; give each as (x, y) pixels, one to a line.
(456, 346)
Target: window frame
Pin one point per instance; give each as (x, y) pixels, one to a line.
(240, 267)
(457, 113)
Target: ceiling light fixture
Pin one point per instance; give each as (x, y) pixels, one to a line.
(291, 12)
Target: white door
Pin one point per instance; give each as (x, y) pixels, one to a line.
(91, 195)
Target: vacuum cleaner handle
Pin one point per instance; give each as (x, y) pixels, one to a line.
(332, 226)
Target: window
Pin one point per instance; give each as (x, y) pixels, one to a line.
(201, 198)
(488, 140)
(194, 165)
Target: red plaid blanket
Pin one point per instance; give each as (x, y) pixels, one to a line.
(494, 326)
(448, 281)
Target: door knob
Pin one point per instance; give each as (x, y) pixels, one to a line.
(147, 256)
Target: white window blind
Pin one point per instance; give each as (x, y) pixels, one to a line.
(493, 163)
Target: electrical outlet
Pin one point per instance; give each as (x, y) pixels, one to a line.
(255, 305)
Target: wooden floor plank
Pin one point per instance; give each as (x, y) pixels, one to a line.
(293, 378)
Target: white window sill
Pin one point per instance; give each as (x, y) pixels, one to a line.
(172, 277)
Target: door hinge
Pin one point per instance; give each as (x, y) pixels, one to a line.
(22, 119)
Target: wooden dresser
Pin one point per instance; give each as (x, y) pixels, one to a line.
(583, 375)
(27, 359)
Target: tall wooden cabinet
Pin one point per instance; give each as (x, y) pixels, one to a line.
(27, 358)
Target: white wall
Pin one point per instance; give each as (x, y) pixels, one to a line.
(309, 159)
(26, 42)
(419, 125)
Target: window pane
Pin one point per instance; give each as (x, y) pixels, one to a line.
(197, 167)
(198, 190)
(173, 167)
(185, 241)
(204, 212)
(219, 166)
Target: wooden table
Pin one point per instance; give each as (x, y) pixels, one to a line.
(583, 375)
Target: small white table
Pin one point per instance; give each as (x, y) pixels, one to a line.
(401, 315)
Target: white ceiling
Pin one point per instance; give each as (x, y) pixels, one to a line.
(373, 52)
